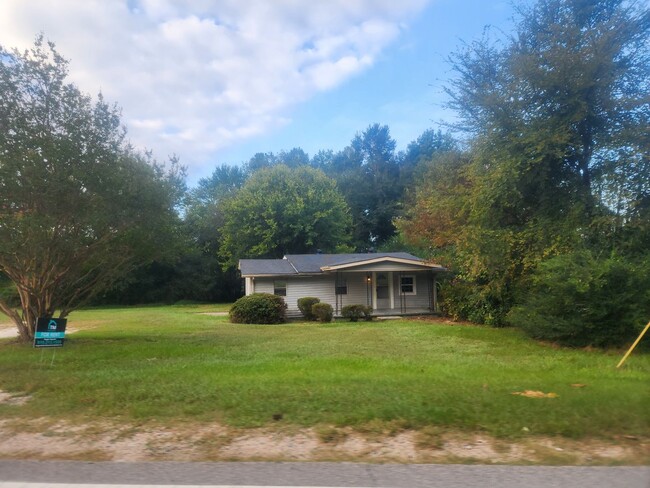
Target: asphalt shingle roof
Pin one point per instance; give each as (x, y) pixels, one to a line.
(310, 263)
(265, 267)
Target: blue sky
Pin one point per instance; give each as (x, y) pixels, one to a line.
(218, 81)
(403, 89)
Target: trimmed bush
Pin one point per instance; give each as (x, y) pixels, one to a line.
(258, 308)
(305, 306)
(356, 312)
(322, 311)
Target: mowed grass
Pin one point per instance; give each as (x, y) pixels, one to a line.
(172, 364)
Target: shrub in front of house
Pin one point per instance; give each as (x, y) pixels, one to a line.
(305, 304)
(356, 312)
(322, 311)
(258, 308)
(583, 299)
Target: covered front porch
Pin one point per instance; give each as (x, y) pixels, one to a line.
(388, 292)
(413, 311)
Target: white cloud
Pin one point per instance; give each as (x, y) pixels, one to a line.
(195, 76)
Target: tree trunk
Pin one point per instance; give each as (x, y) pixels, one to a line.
(23, 330)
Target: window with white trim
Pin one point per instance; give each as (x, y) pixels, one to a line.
(407, 285)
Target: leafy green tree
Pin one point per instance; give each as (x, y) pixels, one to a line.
(557, 117)
(78, 207)
(281, 210)
(203, 212)
(437, 219)
(323, 160)
(194, 273)
(261, 161)
(367, 173)
(199, 272)
(566, 95)
(419, 152)
(294, 158)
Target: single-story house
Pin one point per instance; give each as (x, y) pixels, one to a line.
(392, 283)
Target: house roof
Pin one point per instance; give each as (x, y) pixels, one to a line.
(265, 267)
(297, 264)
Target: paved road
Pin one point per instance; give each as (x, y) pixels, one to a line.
(41, 474)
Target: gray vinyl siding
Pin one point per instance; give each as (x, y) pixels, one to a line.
(305, 286)
(263, 285)
(421, 300)
(323, 287)
(357, 290)
(309, 286)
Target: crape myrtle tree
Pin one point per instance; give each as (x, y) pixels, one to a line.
(79, 208)
(282, 210)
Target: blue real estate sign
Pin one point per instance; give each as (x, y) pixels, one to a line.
(49, 332)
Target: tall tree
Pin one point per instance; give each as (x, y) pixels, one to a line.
(436, 218)
(294, 158)
(261, 161)
(323, 160)
(558, 117)
(203, 212)
(414, 161)
(200, 269)
(78, 207)
(282, 210)
(368, 176)
(566, 95)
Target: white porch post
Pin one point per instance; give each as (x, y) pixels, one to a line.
(390, 290)
(374, 290)
(249, 286)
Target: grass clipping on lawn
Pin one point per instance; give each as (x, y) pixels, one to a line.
(535, 394)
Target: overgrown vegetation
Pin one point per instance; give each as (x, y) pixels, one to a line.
(579, 299)
(556, 170)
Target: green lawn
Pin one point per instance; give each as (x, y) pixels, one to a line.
(172, 363)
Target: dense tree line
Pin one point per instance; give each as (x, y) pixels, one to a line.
(545, 218)
(288, 202)
(538, 204)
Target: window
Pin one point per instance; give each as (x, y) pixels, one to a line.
(407, 285)
(280, 288)
(342, 287)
